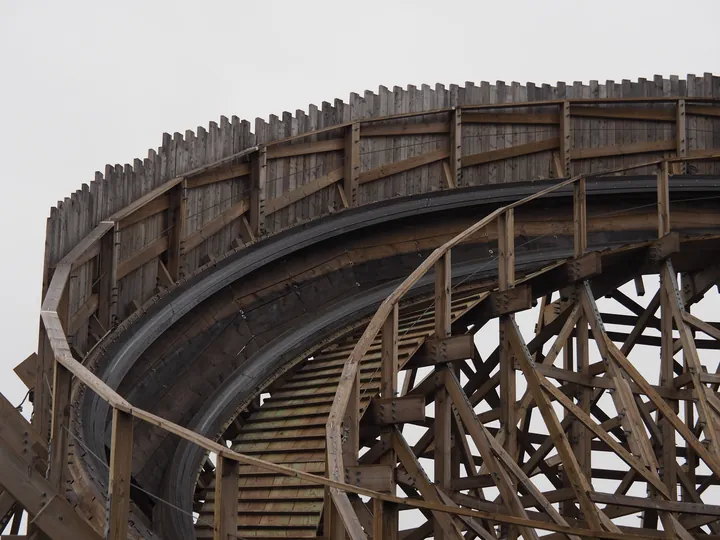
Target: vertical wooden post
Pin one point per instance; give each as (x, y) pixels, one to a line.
(258, 179)
(385, 515)
(62, 387)
(668, 462)
(565, 138)
(506, 281)
(581, 436)
(120, 472)
(352, 163)
(226, 498)
(443, 410)
(176, 214)
(351, 426)
(456, 147)
(107, 279)
(681, 137)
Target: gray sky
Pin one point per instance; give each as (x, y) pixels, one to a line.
(90, 83)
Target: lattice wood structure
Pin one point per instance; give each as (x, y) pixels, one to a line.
(290, 333)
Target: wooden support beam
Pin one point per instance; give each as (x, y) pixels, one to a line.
(397, 410)
(300, 149)
(108, 277)
(566, 141)
(384, 171)
(509, 301)
(511, 118)
(291, 197)
(399, 130)
(387, 523)
(215, 225)
(226, 499)
(443, 411)
(594, 516)
(152, 208)
(623, 149)
(142, 256)
(351, 174)
(258, 181)
(623, 113)
(82, 315)
(456, 144)
(511, 152)
(506, 282)
(375, 477)
(218, 175)
(442, 350)
(120, 473)
(680, 167)
(175, 225)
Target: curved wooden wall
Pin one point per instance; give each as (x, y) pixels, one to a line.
(437, 138)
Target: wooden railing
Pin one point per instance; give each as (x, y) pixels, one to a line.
(342, 431)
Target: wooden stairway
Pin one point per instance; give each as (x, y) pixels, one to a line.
(289, 428)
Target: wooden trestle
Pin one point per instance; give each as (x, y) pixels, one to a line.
(289, 428)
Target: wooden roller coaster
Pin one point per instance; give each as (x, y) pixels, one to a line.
(474, 312)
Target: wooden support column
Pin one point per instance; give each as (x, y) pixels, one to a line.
(352, 164)
(258, 181)
(62, 389)
(580, 435)
(107, 278)
(565, 139)
(506, 281)
(120, 472)
(443, 405)
(680, 137)
(456, 148)
(176, 214)
(226, 499)
(386, 515)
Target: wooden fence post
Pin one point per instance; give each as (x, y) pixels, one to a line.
(176, 214)
(352, 164)
(258, 181)
(120, 473)
(226, 499)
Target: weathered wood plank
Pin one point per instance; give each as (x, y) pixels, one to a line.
(401, 166)
(316, 147)
(513, 151)
(215, 225)
(399, 130)
(291, 197)
(623, 149)
(511, 118)
(142, 256)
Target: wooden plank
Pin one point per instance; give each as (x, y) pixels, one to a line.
(399, 130)
(107, 282)
(456, 148)
(351, 173)
(397, 410)
(120, 473)
(257, 193)
(681, 136)
(441, 350)
(315, 147)
(142, 256)
(402, 166)
(513, 151)
(215, 225)
(375, 477)
(214, 176)
(291, 197)
(58, 459)
(226, 499)
(52, 514)
(510, 118)
(81, 316)
(152, 208)
(623, 149)
(655, 504)
(176, 216)
(344, 510)
(144, 200)
(25, 370)
(623, 113)
(566, 140)
(702, 110)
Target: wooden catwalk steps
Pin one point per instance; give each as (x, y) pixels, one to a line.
(289, 428)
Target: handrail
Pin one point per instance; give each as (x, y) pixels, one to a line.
(350, 370)
(338, 488)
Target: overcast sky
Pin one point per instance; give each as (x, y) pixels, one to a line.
(90, 83)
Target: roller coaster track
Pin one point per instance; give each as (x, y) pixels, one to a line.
(322, 330)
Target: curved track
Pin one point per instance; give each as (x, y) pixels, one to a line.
(249, 346)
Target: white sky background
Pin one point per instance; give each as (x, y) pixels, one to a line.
(89, 83)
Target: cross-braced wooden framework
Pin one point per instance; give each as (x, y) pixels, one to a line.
(567, 424)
